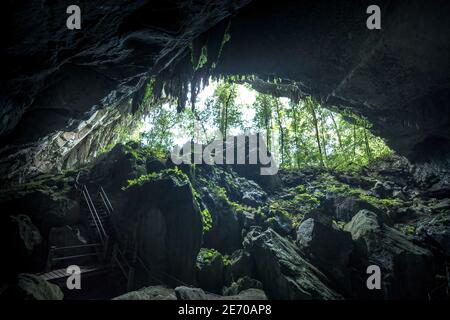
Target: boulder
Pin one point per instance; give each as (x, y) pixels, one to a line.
(210, 271)
(283, 271)
(113, 169)
(406, 268)
(383, 189)
(248, 294)
(251, 193)
(327, 248)
(153, 164)
(241, 264)
(149, 293)
(436, 229)
(224, 193)
(186, 293)
(22, 246)
(162, 223)
(242, 284)
(280, 223)
(225, 234)
(32, 287)
(346, 207)
(323, 213)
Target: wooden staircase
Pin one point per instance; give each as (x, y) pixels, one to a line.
(101, 255)
(98, 256)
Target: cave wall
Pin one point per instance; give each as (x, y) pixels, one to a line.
(56, 80)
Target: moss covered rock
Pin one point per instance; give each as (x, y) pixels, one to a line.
(32, 287)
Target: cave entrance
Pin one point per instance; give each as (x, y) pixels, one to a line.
(298, 132)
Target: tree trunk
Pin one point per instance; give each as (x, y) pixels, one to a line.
(280, 127)
(336, 128)
(366, 140)
(316, 127)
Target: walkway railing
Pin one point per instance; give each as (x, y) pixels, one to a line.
(95, 217)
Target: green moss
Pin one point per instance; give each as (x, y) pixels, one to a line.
(176, 173)
(270, 220)
(339, 224)
(206, 255)
(407, 229)
(308, 198)
(206, 220)
(381, 202)
(149, 90)
(222, 194)
(299, 189)
(281, 206)
(203, 59)
(226, 260)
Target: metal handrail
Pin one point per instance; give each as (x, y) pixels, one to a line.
(101, 230)
(93, 217)
(75, 257)
(96, 214)
(117, 260)
(77, 247)
(105, 204)
(106, 201)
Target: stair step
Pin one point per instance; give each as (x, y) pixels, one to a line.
(95, 226)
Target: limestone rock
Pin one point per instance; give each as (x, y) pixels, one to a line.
(283, 271)
(242, 284)
(161, 221)
(32, 287)
(406, 267)
(327, 248)
(210, 272)
(149, 293)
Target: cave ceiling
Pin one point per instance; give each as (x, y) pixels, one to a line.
(55, 80)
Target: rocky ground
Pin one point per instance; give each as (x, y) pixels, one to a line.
(206, 232)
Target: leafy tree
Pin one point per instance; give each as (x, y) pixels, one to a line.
(303, 133)
(226, 113)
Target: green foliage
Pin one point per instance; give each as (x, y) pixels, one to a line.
(407, 229)
(175, 173)
(226, 38)
(148, 96)
(222, 194)
(298, 202)
(332, 186)
(157, 136)
(206, 255)
(203, 59)
(300, 134)
(226, 113)
(383, 202)
(339, 224)
(206, 220)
